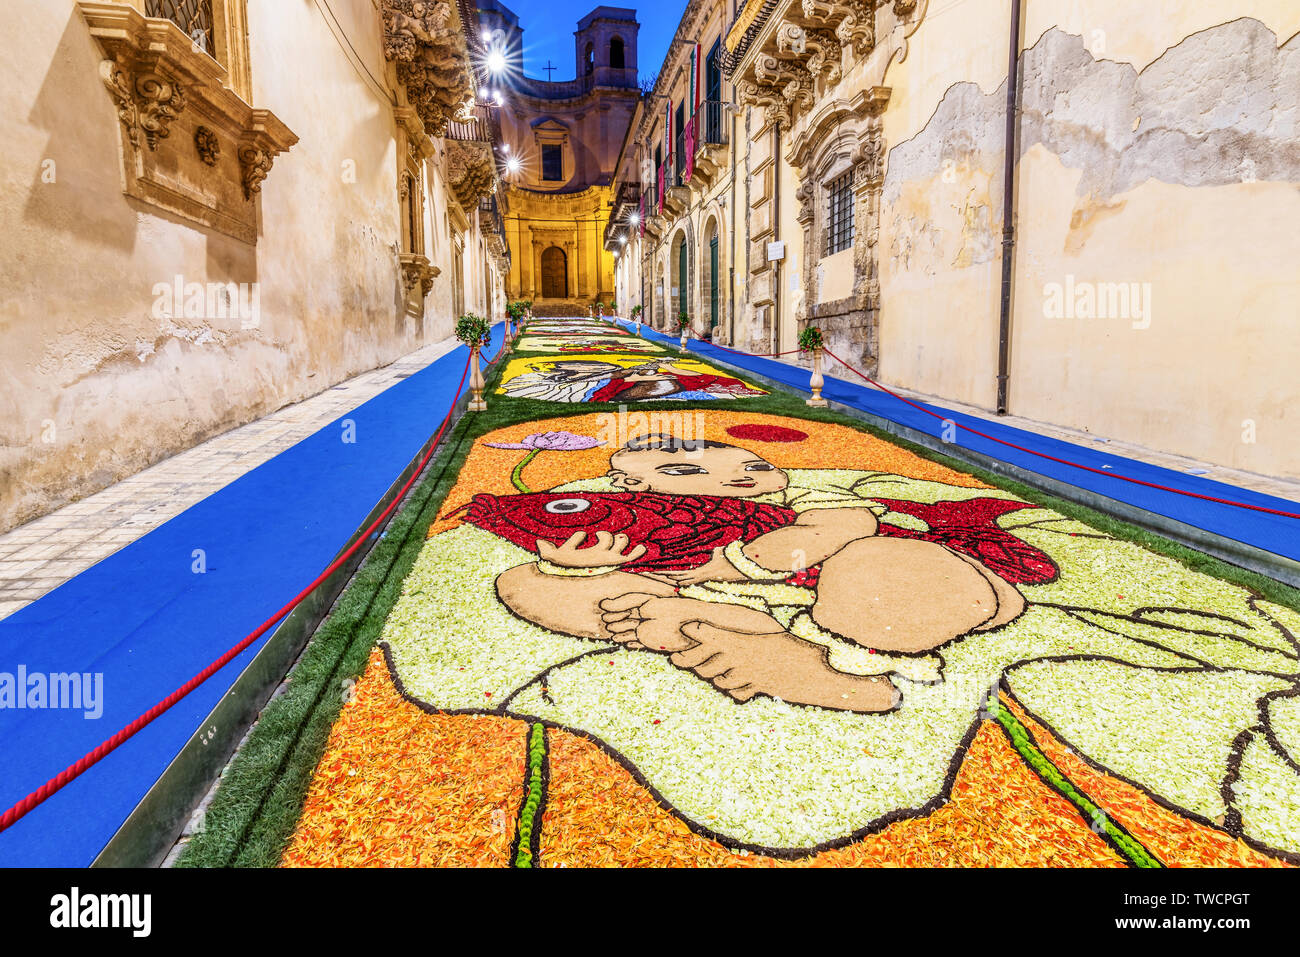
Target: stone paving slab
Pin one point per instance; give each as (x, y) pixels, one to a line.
(40, 556)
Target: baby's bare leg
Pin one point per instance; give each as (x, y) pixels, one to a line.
(569, 605)
(744, 652)
(900, 594)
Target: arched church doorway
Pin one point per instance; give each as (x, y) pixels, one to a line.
(555, 273)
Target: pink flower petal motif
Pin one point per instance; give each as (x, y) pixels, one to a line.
(550, 442)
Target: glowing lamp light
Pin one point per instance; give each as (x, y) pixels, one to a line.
(512, 164)
(634, 219)
(496, 61)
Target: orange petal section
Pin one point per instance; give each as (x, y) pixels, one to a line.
(827, 446)
(1177, 841)
(398, 787)
(999, 815)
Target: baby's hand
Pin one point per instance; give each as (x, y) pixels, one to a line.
(607, 550)
(716, 569)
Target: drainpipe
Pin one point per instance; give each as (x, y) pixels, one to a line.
(776, 234)
(1009, 208)
(731, 235)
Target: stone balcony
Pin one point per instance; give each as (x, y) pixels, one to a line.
(785, 55)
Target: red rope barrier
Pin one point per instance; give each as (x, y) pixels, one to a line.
(759, 355)
(1060, 461)
(74, 770)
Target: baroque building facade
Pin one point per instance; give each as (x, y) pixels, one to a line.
(561, 140)
(218, 207)
(1124, 266)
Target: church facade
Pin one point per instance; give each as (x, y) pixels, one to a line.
(561, 141)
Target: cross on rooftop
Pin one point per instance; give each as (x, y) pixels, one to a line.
(549, 69)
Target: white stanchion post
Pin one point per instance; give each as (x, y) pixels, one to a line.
(816, 383)
(476, 403)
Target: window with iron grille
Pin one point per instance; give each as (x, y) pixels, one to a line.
(192, 16)
(839, 219)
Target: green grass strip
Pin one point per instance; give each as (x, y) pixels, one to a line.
(1094, 815)
(534, 792)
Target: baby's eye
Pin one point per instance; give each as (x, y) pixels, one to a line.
(760, 467)
(683, 470)
(567, 506)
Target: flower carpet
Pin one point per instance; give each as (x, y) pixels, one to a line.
(646, 627)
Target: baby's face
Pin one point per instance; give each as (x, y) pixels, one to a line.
(731, 473)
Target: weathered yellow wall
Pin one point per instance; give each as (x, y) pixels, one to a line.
(94, 386)
(1104, 197)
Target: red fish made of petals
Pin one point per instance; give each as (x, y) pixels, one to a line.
(678, 531)
(681, 531)
(971, 527)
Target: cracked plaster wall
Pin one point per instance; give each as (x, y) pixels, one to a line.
(1177, 169)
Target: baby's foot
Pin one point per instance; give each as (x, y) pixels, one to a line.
(639, 620)
(655, 622)
(778, 664)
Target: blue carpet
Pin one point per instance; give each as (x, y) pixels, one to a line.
(145, 620)
(1272, 533)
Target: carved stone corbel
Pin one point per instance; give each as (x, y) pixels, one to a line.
(854, 21)
(417, 271)
(254, 165)
(147, 100)
(432, 59)
(264, 139)
(470, 172)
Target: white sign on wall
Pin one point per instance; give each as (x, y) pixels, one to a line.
(776, 251)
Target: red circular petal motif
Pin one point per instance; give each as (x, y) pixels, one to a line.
(766, 433)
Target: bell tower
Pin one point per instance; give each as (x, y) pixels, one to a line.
(605, 47)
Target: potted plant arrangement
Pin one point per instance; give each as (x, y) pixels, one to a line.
(636, 317)
(810, 340)
(516, 309)
(683, 327)
(474, 331)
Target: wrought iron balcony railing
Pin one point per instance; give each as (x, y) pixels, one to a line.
(192, 16)
(762, 12)
(483, 126)
(710, 124)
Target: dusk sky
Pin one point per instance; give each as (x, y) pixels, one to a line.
(548, 27)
